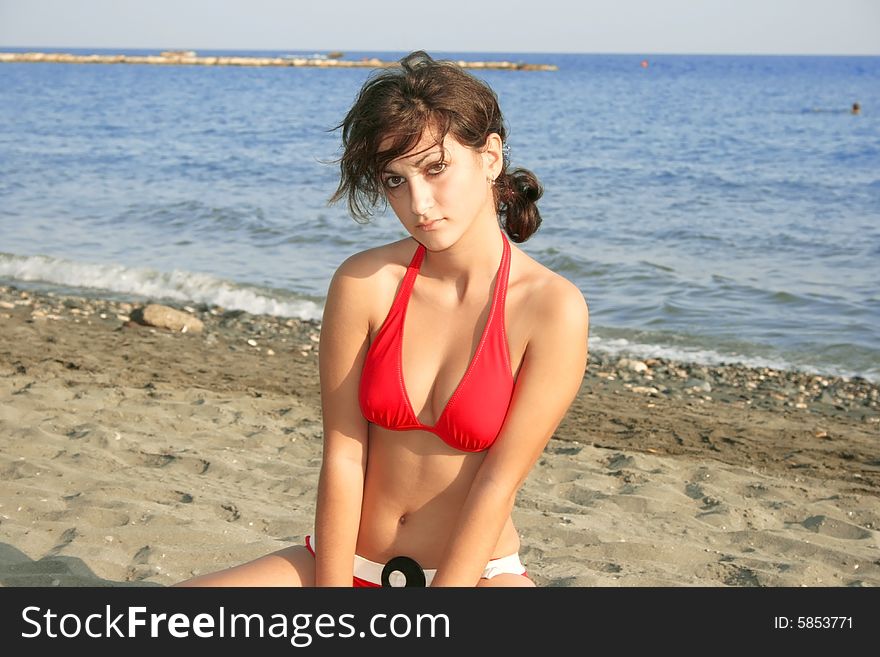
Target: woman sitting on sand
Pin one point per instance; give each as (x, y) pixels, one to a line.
(447, 358)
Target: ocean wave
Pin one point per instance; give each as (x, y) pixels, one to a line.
(617, 346)
(148, 283)
(620, 346)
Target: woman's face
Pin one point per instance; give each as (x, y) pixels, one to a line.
(438, 193)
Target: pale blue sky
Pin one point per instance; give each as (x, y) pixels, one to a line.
(589, 26)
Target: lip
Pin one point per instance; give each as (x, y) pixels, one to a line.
(429, 225)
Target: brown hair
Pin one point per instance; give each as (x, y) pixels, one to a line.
(398, 104)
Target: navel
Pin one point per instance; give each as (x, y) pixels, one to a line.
(402, 519)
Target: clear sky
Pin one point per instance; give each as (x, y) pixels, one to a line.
(585, 26)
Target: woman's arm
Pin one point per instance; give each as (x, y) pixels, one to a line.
(344, 342)
(550, 376)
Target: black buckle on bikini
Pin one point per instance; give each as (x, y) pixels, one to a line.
(413, 573)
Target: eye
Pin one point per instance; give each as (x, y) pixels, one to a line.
(437, 168)
(392, 182)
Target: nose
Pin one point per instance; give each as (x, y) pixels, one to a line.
(421, 197)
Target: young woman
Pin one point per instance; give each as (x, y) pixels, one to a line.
(447, 358)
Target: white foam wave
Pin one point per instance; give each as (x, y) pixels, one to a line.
(700, 356)
(176, 285)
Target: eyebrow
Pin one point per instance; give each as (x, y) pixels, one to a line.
(424, 157)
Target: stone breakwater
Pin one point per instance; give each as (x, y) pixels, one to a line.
(196, 60)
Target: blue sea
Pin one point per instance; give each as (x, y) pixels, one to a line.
(711, 208)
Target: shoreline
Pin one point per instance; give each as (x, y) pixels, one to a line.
(137, 456)
(195, 60)
(657, 377)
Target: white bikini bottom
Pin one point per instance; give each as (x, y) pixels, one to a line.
(370, 571)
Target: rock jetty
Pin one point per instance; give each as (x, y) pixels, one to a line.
(191, 58)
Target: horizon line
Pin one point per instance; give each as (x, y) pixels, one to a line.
(488, 52)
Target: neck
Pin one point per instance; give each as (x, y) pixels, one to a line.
(474, 257)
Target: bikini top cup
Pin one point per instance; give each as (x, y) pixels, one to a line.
(472, 418)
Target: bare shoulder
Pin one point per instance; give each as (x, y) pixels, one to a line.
(562, 299)
(553, 300)
(371, 270)
(365, 282)
(376, 260)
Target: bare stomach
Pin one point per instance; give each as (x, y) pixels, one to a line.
(414, 490)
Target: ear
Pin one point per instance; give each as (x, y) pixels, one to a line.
(493, 160)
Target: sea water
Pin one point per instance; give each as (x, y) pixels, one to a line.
(710, 208)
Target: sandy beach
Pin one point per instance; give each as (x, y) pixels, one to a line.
(132, 455)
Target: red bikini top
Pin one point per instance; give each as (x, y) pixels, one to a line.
(473, 416)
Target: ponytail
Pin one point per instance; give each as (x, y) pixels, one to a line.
(517, 194)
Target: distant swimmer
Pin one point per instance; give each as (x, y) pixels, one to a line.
(855, 108)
